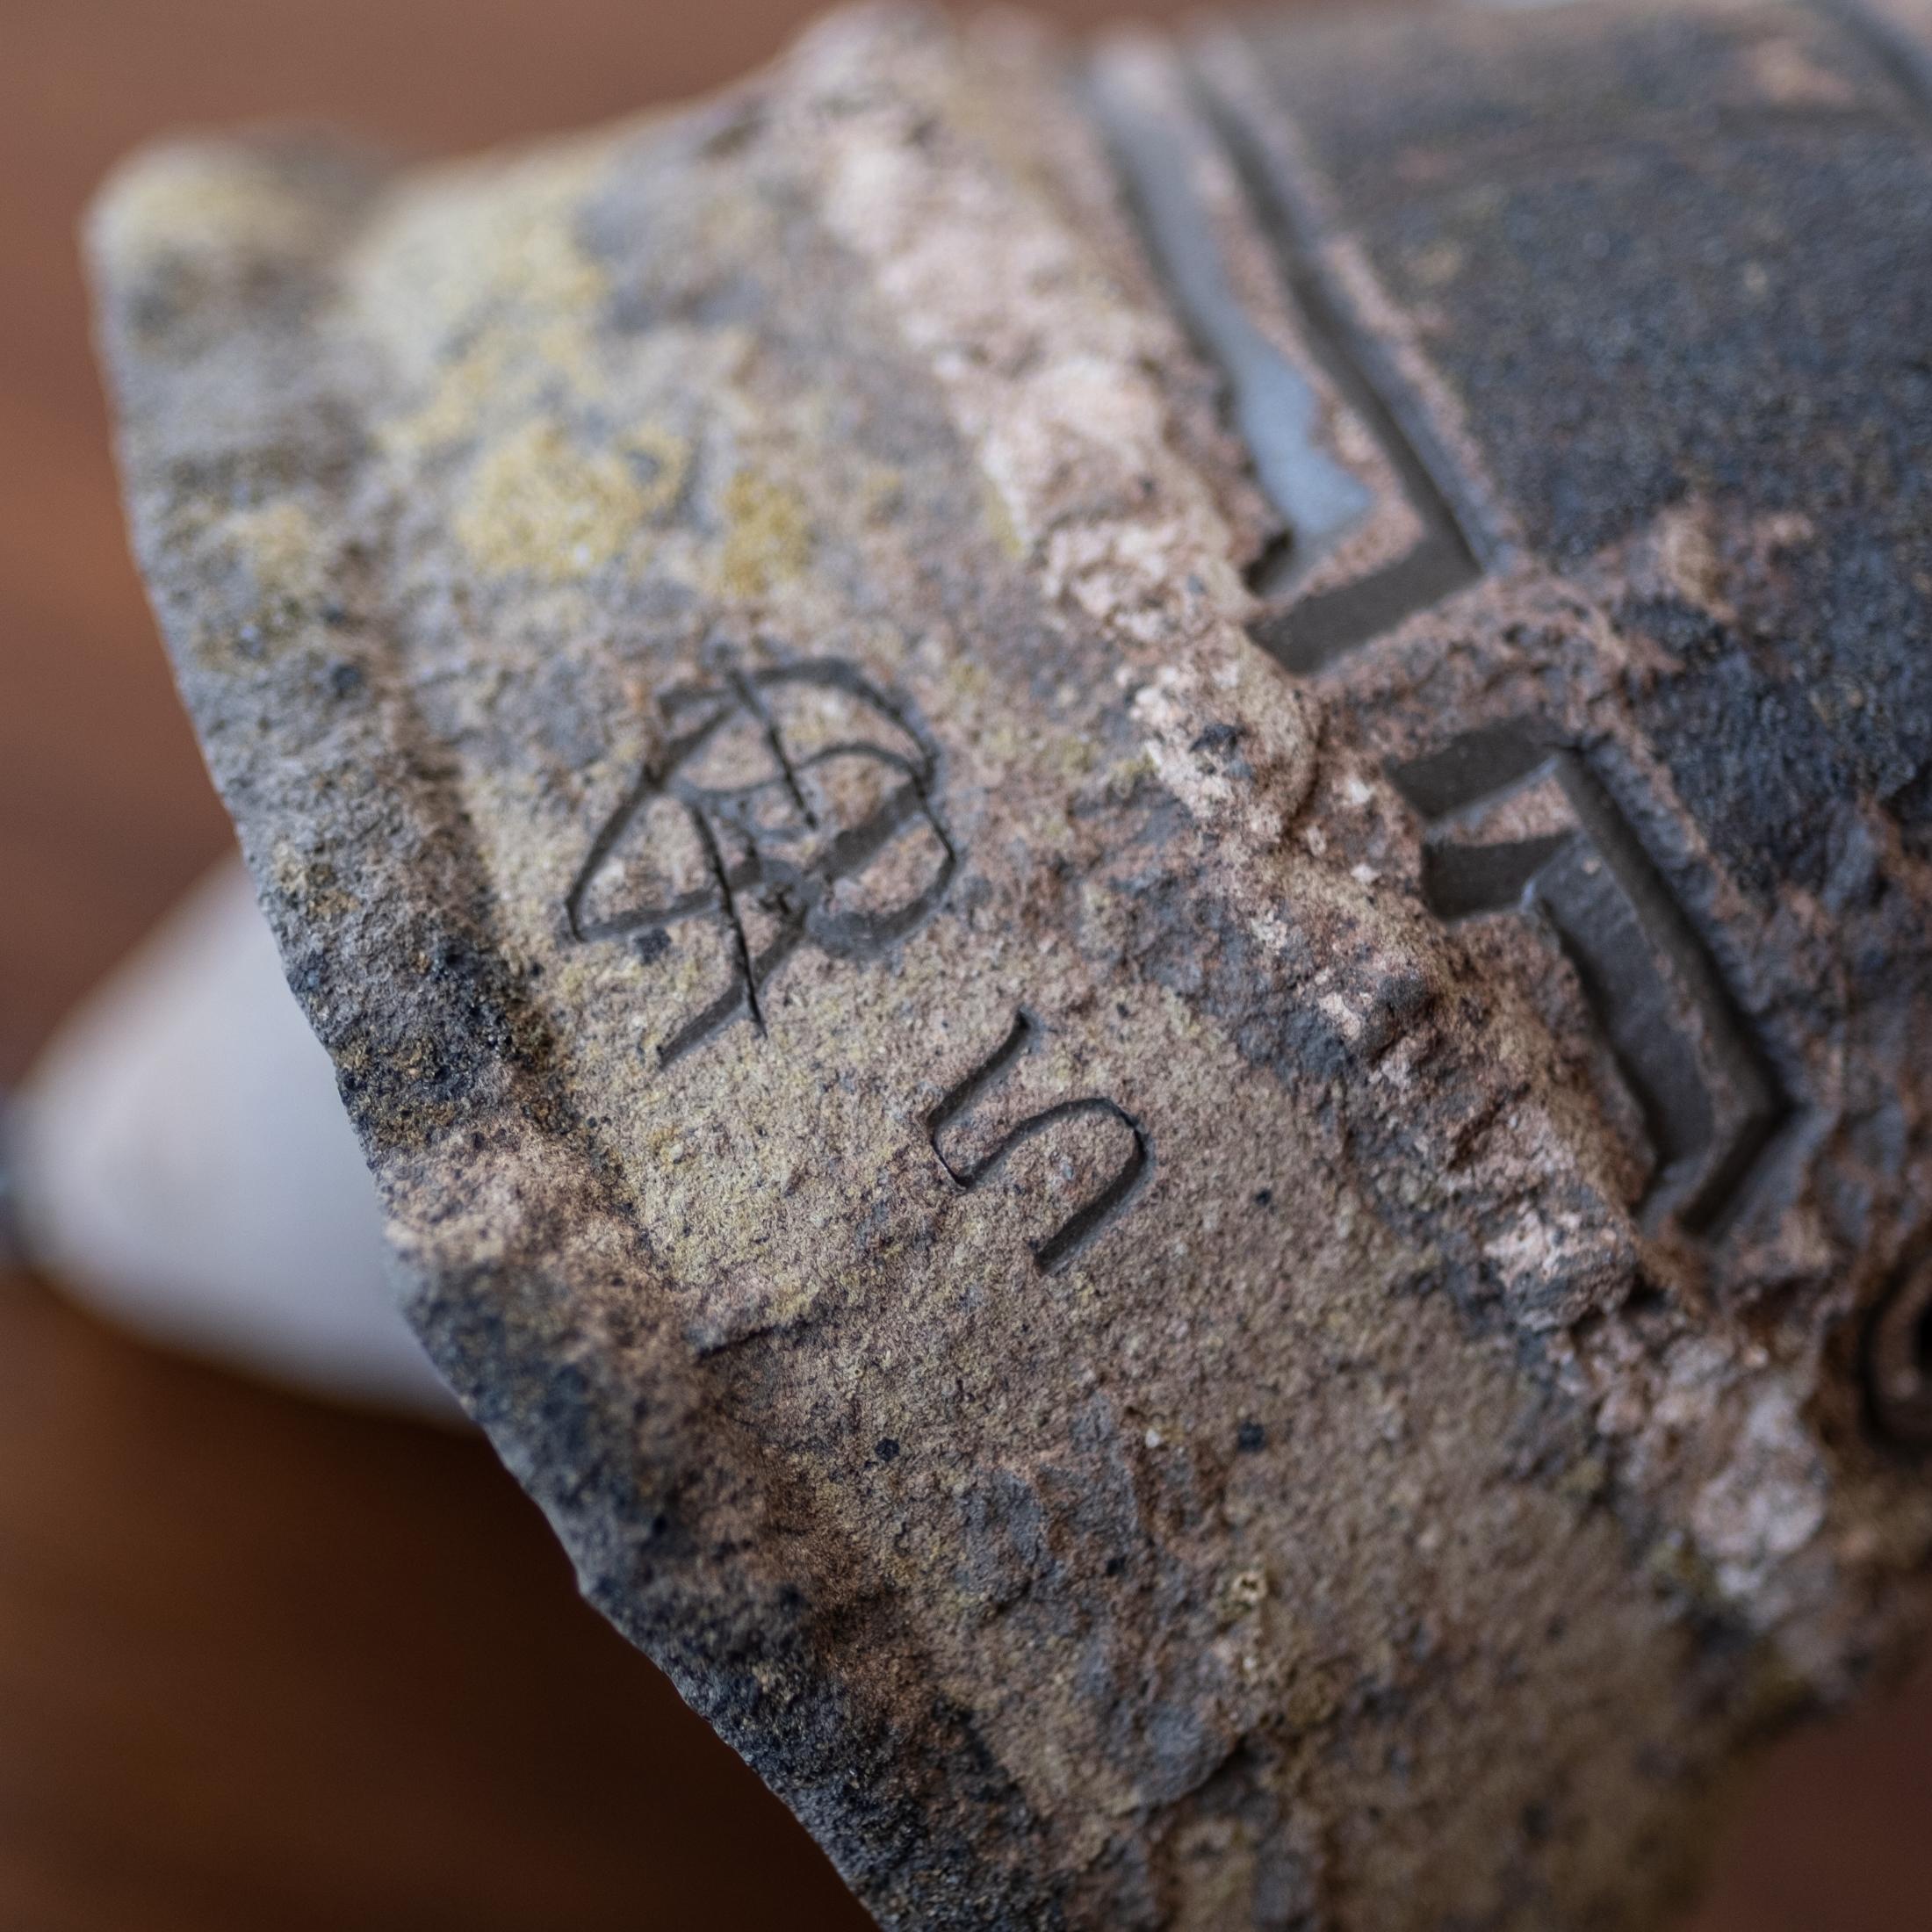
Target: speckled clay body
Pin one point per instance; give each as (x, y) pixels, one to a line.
(1121, 865)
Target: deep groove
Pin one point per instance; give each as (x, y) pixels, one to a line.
(1272, 404)
(774, 743)
(1465, 880)
(961, 1095)
(1086, 1220)
(796, 890)
(1304, 637)
(728, 899)
(1450, 554)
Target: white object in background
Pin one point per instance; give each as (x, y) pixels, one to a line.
(183, 1164)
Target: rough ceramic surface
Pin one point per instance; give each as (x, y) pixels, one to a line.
(1209, 1223)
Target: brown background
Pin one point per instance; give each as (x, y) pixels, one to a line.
(268, 1665)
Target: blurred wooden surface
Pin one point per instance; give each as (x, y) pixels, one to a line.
(265, 1664)
(270, 1665)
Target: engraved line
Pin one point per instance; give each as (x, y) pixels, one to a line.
(1454, 550)
(1086, 1220)
(1624, 946)
(955, 1102)
(649, 784)
(715, 854)
(1730, 1041)
(1462, 881)
(799, 896)
(1311, 634)
(1472, 768)
(752, 702)
(1273, 405)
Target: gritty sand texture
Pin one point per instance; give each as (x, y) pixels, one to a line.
(1178, 1289)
